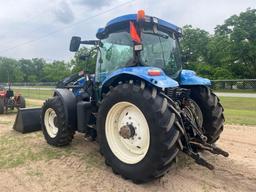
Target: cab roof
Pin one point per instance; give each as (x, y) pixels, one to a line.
(125, 19)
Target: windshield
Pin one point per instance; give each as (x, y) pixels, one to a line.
(161, 50)
(116, 52)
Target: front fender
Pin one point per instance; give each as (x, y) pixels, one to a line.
(69, 103)
(188, 77)
(161, 81)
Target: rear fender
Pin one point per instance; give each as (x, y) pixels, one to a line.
(124, 74)
(69, 103)
(188, 77)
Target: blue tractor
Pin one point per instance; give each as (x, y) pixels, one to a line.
(140, 105)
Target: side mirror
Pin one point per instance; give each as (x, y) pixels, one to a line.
(74, 44)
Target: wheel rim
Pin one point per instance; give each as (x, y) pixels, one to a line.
(125, 118)
(50, 122)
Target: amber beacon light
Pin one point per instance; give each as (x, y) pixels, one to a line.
(140, 15)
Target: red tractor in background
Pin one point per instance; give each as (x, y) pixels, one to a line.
(10, 101)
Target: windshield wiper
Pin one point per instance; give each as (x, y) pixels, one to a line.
(157, 34)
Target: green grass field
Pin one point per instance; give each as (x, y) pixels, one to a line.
(237, 110)
(34, 93)
(235, 90)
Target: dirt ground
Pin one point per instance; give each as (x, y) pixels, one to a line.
(27, 163)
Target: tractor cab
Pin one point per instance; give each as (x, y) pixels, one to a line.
(137, 46)
(138, 40)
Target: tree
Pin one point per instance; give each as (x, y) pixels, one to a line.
(194, 46)
(241, 32)
(9, 70)
(84, 59)
(229, 53)
(56, 71)
(38, 66)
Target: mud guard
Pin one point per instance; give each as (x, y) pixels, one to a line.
(161, 81)
(188, 78)
(69, 102)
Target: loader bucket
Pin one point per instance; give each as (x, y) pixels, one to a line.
(28, 120)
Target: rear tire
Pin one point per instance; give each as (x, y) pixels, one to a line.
(164, 136)
(54, 125)
(213, 117)
(1, 106)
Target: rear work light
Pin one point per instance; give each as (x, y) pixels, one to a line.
(154, 72)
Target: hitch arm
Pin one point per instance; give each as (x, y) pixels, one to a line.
(188, 142)
(211, 148)
(200, 160)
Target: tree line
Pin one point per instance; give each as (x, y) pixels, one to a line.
(228, 53)
(38, 70)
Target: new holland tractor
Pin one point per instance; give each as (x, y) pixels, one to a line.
(140, 105)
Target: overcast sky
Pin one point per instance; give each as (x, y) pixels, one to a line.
(43, 28)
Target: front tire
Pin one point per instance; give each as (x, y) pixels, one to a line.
(54, 125)
(152, 130)
(212, 110)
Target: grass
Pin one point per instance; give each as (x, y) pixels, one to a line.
(235, 90)
(239, 110)
(34, 103)
(34, 93)
(18, 149)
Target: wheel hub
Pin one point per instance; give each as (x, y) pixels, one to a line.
(127, 131)
(51, 122)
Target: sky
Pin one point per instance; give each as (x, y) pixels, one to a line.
(43, 28)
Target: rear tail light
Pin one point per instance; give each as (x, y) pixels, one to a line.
(154, 72)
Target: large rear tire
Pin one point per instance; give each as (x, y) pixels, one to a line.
(54, 125)
(212, 110)
(152, 141)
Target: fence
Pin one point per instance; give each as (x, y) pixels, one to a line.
(234, 84)
(35, 84)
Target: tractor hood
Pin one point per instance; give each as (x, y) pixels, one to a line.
(122, 23)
